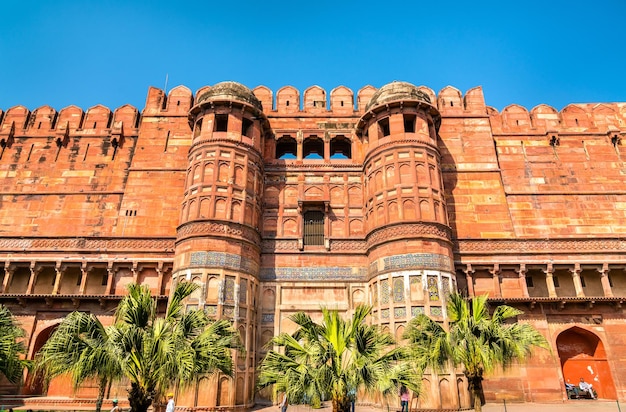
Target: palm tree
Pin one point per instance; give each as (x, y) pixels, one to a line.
(154, 353)
(82, 348)
(474, 341)
(335, 359)
(11, 347)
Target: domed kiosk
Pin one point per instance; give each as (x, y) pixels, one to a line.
(228, 92)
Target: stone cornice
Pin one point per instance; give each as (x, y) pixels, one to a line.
(395, 144)
(222, 229)
(538, 246)
(86, 244)
(229, 143)
(404, 230)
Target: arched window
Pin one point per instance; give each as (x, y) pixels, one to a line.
(286, 148)
(313, 148)
(340, 148)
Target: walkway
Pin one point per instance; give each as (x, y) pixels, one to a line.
(569, 406)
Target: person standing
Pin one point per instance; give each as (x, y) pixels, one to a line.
(115, 408)
(352, 398)
(404, 398)
(170, 403)
(283, 404)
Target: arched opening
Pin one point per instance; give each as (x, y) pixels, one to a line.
(313, 148)
(582, 355)
(34, 384)
(286, 148)
(340, 148)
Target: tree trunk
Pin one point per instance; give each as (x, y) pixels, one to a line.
(102, 386)
(140, 398)
(341, 404)
(475, 384)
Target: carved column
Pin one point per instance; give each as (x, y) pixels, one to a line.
(8, 276)
(159, 270)
(34, 271)
(326, 148)
(299, 144)
(606, 283)
(495, 274)
(576, 278)
(469, 279)
(110, 275)
(58, 278)
(550, 281)
(135, 270)
(521, 272)
(83, 278)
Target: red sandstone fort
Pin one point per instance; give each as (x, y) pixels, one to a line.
(281, 202)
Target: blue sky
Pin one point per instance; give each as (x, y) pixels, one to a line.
(109, 52)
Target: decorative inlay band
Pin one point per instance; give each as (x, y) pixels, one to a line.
(413, 261)
(517, 246)
(313, 273)
(408, 230)
(355, 245)
(208, 228)
(91, 244)
(224, 260)
(270, 246)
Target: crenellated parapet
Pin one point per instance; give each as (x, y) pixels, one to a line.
(97, 120)
(341, 101)
(572, 119)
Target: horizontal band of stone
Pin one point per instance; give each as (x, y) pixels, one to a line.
(224, 260)
(403, 230)
(211, 228)
(413, 261)
(291, 245)
(245, 147)
(314, 273)
(87, 244)
(521, 246)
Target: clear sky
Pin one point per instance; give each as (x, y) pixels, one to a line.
(109, 52)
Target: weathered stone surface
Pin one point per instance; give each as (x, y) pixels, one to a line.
(275, 205)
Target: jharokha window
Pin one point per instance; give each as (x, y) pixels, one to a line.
(314, 228)
(313, 148)
(340, 148)
(286, 148)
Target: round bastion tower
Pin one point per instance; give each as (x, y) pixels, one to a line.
(407, 232)
(218, 239)
(408, 235)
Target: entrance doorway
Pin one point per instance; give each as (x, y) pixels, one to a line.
(34, 384)
(582, 355)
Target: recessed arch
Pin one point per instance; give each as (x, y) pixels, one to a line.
(582, 355)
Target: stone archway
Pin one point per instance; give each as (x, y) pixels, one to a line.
(34, 384)
(582, 355)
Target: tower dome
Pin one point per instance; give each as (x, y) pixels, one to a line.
(396, 91)
(229, 91)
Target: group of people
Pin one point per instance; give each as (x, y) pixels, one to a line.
(583, 389)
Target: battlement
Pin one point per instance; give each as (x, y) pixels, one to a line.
(314, 101)
(603, 118)
(46, 121)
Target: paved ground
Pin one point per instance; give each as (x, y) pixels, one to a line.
(568, 406)
(583, 405)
